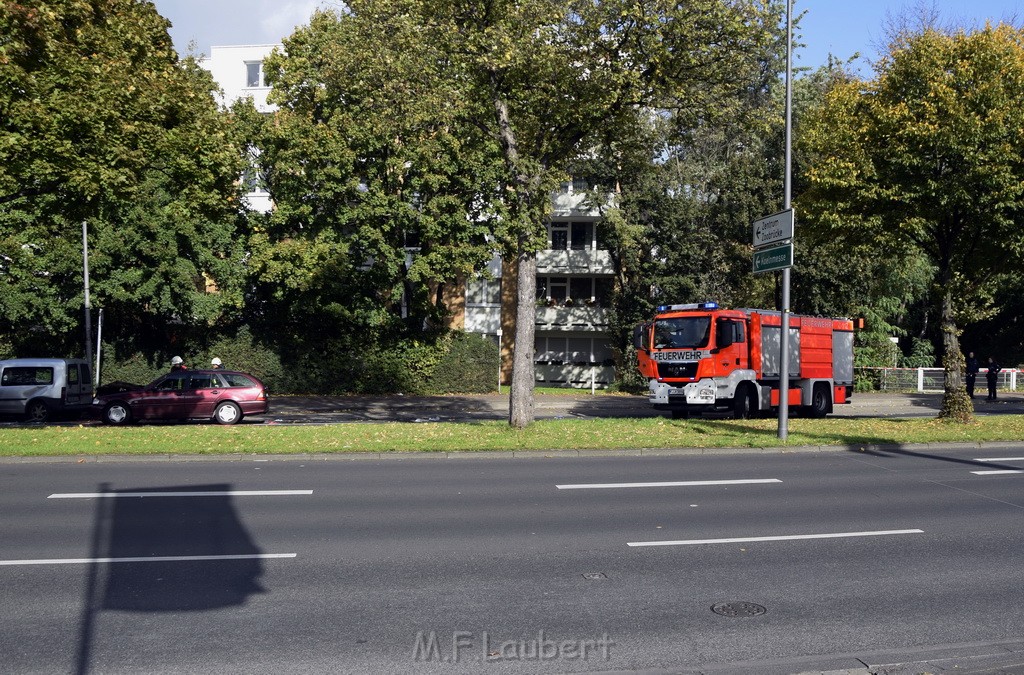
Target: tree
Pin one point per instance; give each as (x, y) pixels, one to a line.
(100, 122)
(546, 79)
(929, 156)
(369, 157)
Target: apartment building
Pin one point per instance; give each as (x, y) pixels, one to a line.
(575, 273)
(238, 69)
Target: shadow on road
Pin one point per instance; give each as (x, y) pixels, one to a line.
(899, 452)
(166, 531)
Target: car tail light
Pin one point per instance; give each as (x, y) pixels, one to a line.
(63, 394)
(262, 395)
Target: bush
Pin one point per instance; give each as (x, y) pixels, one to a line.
(136, 368)
(452, 363)
(468, 365)
(628, 378)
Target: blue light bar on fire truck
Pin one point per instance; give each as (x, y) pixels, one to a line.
(692, 305)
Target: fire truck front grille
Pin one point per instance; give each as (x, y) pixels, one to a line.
(677, 370)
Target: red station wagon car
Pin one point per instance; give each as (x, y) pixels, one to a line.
(224, 396)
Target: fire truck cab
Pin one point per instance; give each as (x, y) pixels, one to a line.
(700, 357)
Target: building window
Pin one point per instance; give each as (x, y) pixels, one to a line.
(603, 289)
(582, 236)
(559, 237)
(483, 292)
(574, 236)
(581, 289)
(254, 74)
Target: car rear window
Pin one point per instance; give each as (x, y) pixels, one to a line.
(22, 375)
(236, 380)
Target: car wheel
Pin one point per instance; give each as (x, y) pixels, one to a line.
(227, 413)
(116, 413)
(37, 412)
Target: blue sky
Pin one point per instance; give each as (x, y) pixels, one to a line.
(839, 27)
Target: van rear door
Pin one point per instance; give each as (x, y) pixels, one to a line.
(78, 385)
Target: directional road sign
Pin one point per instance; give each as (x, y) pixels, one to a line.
(775, 258)
(773, 229)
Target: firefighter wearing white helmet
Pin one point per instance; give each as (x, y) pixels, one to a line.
(215, 363)
(177, 363)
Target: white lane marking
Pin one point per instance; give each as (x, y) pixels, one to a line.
(682, 483)
(997, 473)
(999, 459)
(791, 537)
(163, 558)
(220, 493)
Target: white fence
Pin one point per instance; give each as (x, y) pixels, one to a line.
(931, 379)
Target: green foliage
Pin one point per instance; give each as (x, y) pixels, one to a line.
(369, 155)
(100, 122)
(628, 378)
(452, 363)
(469, 365)
(926, 159)
(922, 355)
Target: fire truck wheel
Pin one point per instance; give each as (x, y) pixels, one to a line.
(744, 405)
(820, 401)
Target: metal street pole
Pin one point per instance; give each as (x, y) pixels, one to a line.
(88, 311)
(787, 182)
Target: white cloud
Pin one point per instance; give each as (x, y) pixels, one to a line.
(280, 19)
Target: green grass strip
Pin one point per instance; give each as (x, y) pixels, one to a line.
(589, 434)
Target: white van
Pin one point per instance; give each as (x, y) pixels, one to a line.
(37, 389)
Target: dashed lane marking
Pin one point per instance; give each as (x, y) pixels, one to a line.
(790, 537)
(683, 483)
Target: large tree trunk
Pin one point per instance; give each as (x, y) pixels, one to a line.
(520, 404)
(956, 405)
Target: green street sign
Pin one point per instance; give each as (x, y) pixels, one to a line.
(775, 258)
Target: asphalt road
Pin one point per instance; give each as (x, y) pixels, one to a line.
(487, 565)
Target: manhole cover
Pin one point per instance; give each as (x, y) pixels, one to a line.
(593, 576)
(738, 609)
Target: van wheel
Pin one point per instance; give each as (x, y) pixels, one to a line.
(117, 413)
(821, 402)
(37, 412)
(227, 413)
(744, 405)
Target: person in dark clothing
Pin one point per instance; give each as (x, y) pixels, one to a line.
(992, 375)
(972, 373)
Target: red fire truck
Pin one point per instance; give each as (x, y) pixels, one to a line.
(700, 357)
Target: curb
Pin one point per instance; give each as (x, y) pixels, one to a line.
(515, 454)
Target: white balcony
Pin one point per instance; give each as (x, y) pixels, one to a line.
(572, 318)
(575, 204)
(575, 262)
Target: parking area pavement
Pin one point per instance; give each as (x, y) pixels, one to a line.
(468, 408)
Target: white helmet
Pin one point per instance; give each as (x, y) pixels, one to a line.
(215, 361)
(176, 361)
